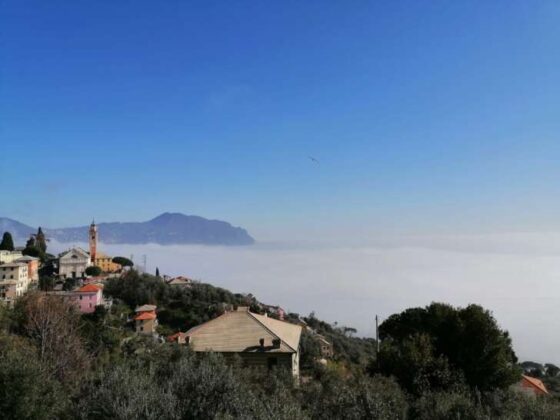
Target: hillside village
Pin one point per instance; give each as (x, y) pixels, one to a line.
(256, 332)
(124, 311)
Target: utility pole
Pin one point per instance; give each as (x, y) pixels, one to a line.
(377, 341)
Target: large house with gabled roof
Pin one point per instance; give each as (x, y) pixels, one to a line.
(257, 339)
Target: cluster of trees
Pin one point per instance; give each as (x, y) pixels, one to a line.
(179, 308)
(348, 350)
(538, 370)
(441, 347)
(56, 363)
(36, 246)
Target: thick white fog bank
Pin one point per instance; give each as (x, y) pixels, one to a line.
(516, 276)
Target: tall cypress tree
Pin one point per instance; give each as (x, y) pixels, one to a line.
(157, 272)
(41, 240)
(7, 243)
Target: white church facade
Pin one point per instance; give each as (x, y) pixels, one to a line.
(73, 263)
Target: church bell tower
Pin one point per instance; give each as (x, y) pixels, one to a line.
(92, 241)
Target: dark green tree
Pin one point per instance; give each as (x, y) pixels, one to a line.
(93, 270)
(417, 366)
(552, 370)
(7, 243)
(310, 350)
(459, 342)
(70, 284)
(157, 272)
(33, 250)
(30, 242)
(46, 283)
(124, 262)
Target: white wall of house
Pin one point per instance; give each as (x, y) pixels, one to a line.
(7, 257)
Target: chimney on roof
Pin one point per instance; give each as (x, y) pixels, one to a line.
(261, 342)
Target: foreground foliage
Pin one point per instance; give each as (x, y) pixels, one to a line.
(58, 364)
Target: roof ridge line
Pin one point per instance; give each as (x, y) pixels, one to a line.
(269, 330)
(199, 326)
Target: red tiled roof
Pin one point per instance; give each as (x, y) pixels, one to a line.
(175, 336)
(89, 288)
(144, 316)
(535, 383)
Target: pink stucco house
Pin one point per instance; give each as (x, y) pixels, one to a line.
(88, 297)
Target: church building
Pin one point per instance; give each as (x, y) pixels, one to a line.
(73, 263)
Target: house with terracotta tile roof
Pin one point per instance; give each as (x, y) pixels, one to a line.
(145, 320)
(257, 339)
(530, 386)
(88, 297)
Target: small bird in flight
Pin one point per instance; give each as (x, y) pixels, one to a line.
(313, 159)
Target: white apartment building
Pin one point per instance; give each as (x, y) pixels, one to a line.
(14, 281)
(7, 257)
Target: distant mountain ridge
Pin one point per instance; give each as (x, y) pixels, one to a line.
(165, 229)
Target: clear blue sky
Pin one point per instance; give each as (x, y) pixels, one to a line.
(425, 116)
